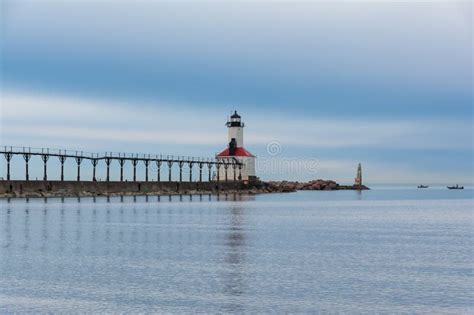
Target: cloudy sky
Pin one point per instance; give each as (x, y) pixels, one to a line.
(388, 84)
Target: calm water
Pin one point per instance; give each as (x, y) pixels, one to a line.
(382, 251)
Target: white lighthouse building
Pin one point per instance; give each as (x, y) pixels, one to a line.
(235, 151)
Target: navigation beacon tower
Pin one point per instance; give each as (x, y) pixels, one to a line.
(358, 179)
(235, 150)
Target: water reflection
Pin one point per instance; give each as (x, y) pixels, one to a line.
(235, 257)
(8, 228)
(70, 230)
(55, 219)
(285, 256)
(26, 227)
(62, 230)
(44, 228)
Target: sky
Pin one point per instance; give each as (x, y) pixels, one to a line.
(387, 84)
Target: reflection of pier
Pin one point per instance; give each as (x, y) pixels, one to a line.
(161, 240)
(62, 223)
(122, 158)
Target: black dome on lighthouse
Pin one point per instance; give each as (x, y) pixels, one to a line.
(234, 120)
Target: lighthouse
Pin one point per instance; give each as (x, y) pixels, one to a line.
(236, 152)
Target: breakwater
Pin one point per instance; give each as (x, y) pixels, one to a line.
(318, 184)
(228, 174)
(22, 188)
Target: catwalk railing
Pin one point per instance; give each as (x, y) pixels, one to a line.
(108, 157)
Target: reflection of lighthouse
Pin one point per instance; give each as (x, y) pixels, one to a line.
(235, 149)
(234, 275)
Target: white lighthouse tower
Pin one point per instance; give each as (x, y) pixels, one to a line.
(236, 152)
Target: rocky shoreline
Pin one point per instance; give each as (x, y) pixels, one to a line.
(318, 184)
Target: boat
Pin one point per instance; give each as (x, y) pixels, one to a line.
(421, 186)
(455, 187)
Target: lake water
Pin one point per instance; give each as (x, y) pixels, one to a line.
(379, 251)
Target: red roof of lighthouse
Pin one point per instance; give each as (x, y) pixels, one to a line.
(238, 152)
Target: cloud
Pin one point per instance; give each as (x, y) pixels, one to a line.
(285, 64)
(31, 116)
(35, 119)
(424, 43)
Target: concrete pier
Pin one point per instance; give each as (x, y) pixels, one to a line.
(23, 188)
